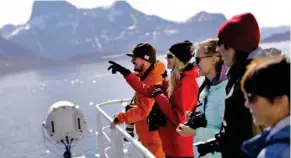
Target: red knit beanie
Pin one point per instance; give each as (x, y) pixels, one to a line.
(241, 33)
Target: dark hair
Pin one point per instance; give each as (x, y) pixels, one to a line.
(268, 77)
(239, 56)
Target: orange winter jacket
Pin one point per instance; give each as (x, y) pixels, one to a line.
(140, 112)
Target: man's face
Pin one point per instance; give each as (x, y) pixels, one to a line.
(138, 64)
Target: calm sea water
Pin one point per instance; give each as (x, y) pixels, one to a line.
(25, 98)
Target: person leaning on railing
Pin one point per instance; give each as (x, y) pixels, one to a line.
(266, 87)
(174, 101)
(148, 69)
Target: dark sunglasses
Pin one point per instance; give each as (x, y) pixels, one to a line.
(170, 56)
(252, 98)
(219, 43)
(198, 59)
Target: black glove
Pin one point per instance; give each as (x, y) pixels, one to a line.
(115, 120)
(165, 74)
(128, 107)
(118, 68)
(207, 147)
(156, 92)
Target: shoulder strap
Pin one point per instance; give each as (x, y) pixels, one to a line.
(132, 100)
(205, 84)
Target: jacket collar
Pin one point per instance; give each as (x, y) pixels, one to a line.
(254, 146)
(278, 127)
(220, 76)
(193, 72)
(159, 68)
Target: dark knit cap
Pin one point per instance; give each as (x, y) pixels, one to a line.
(241, 33)
(144, 51)
(183, 51)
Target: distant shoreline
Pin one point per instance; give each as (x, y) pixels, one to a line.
(20, 65)
(11, 67)
(273, 41)
(16, 66)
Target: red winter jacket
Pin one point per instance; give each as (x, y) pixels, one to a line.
(183, 99)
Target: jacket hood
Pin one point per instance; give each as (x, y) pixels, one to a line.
(259, 52)
(239, 69)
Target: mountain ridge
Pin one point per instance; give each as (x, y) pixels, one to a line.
(59, 30)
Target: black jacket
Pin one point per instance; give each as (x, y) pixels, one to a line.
(237, 125)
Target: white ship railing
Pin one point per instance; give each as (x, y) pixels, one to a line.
(117, 148)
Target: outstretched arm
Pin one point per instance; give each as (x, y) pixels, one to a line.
(144, 89)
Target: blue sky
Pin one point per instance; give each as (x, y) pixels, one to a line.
(268, 12)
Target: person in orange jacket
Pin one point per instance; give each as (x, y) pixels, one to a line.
(144, 61)
(181, 96)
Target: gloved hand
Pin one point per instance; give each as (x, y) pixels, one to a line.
(207, 147)
(156, 92)
(114, 122)
(165, 74)
(202, 149)
(118, 68)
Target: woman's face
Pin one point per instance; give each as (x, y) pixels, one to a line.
(227, 54)
(206, 63)
(170, 60)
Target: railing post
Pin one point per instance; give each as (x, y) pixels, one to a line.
(116, 144)
(100, 135)
(116, 135)
(119, 144)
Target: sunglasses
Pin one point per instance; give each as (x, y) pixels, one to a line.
(198, 59)
(219, 43)
(170, 56)
(252, 98)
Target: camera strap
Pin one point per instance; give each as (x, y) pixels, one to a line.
(206, 84)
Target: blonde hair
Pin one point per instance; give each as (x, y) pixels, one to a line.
(209, 46)
(175, 75)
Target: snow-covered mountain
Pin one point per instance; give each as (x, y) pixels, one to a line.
(59, 30)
